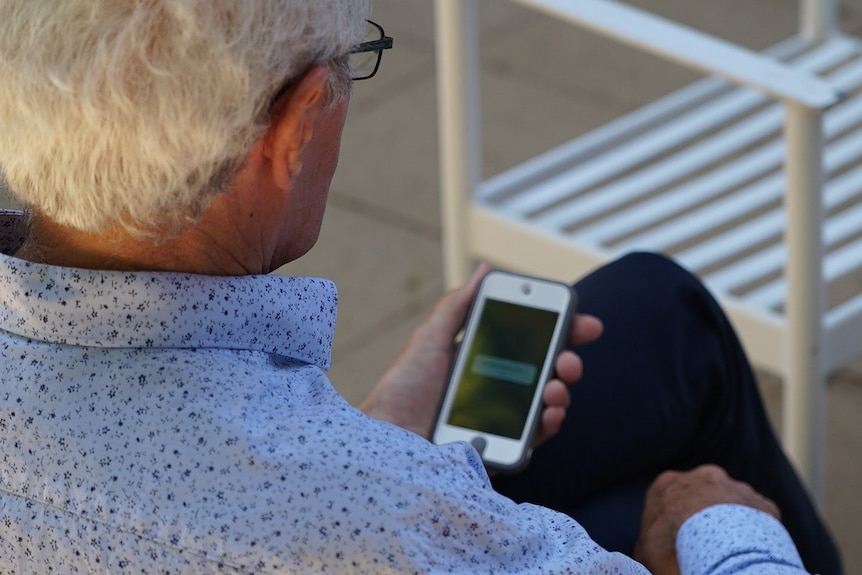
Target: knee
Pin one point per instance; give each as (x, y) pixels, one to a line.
(657, 273)
(648, 284)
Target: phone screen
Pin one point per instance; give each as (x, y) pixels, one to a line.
(502, 369)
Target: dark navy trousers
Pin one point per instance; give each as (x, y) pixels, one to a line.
(667, 386)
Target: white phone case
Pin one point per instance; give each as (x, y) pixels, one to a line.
(515, 329)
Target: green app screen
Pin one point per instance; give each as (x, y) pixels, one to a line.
(503, 367)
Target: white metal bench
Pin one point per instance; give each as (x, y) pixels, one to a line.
(751, 178)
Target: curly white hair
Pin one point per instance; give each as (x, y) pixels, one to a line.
(137, 112)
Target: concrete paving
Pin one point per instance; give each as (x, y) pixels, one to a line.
(544, 82)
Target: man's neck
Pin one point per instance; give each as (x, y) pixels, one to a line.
(191, 251)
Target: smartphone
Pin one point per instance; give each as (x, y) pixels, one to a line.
(516, 327)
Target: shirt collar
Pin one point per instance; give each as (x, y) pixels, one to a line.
(12, 231)
(288, 316)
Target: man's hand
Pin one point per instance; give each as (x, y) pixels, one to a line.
(410, 391)
(674, 497)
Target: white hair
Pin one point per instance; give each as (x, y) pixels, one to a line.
(137, 112)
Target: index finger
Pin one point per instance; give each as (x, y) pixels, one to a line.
(586, 328)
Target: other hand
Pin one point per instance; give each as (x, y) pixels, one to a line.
(410, 391)
(674, 497)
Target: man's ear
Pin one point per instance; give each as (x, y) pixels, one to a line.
(293, 119)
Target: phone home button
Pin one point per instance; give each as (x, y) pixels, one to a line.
(479, 443)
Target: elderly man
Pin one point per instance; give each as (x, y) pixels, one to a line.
(163, 404)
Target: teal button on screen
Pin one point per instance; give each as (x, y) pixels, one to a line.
(505, 369)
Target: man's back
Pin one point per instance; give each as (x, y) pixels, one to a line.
(207, 457)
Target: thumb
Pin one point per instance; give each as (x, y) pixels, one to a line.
(450, 313)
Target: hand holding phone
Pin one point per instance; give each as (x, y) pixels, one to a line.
(516, 328)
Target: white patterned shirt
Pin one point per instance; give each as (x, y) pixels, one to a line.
(176, 423)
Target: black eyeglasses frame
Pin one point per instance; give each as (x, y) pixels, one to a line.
(384, 43)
